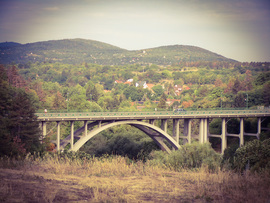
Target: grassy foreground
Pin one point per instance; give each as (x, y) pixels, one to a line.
(117, 179)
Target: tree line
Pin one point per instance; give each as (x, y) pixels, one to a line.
(27, 88)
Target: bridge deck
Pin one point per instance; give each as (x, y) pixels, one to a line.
(81, 116)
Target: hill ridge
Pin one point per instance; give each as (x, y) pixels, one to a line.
(80, 50)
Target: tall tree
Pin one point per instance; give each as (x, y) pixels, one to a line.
(59, 101)
(266, 95)
(23, 122)
(162, 102)
(19, 129)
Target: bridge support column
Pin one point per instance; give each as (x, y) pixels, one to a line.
(164, 124)
(58, 135)
(204, 126)
(176, 130)
(241, 135)
(44, 129)
(223, 136)
(151, 121)
(187, 130)
(99, 124)
(259, 127)
(206, 130)
(85, 128)
(201, 137)
(71, 134)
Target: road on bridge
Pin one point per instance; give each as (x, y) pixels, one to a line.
(82, 116)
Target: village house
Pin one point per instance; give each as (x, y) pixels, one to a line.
(118, 81)
(177, 89)
(141, 84)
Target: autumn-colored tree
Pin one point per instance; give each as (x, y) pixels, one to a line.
(187, 104)
(236, 87)
(15, 79)
(37, 86)
(229, 86)
(59, 101)
(248, 81)
(218, 82)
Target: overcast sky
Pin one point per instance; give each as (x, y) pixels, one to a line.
(237, 29)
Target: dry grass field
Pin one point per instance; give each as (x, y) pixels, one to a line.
(117, 179)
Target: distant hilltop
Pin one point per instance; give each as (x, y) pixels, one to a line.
(74, 51)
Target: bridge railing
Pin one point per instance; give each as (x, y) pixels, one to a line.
(153, 113)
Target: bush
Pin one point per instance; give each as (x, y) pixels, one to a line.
(229, 156)
(255, 155)
(190, 156)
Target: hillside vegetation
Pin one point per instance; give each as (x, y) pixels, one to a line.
(74, 51)
(123, 164)
(92, 87)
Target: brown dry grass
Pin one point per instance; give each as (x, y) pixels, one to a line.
(116, 179)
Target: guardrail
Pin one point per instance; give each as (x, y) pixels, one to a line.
(154, 113)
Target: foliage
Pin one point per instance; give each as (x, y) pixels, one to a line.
(228, 158)
(79, 50)
(91, 87)
(189, 156)
(131, 146)
(254, 155)
(19, 129)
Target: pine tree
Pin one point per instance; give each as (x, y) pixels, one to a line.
(19, 129)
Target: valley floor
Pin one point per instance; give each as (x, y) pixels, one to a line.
(117, 181)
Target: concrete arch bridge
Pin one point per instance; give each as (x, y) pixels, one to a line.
(96, 122)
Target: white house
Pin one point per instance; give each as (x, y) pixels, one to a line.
(141, 84)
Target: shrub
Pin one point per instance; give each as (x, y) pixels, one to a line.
(229, 156)
(255, 155)
(190, 156)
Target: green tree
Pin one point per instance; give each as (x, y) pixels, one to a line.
(19, 129)
(59, 101)
(162, 102)
(158, 90)
(92, 93)
(266, 94)
(239, 100)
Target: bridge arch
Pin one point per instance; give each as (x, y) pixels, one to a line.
(154, 132)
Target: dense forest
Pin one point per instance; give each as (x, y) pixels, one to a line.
(94, 76)
(93, 87)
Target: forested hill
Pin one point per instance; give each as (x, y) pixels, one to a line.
(75, 51)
